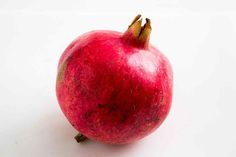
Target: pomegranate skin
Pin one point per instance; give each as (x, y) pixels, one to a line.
(111, 91)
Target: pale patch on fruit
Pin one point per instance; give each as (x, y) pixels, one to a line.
(144, 62)
(61, 71)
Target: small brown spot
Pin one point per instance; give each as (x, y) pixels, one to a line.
(101, 105)
(123, 118)
(88, 114)
(156, 119)
(112, 108)
(153, 119)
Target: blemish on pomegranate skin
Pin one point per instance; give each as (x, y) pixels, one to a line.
(153, 119)
(123, 118)
(112, 108)
(88, 114)
(101, 106)
(62, 69)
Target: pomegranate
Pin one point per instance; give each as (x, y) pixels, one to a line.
(114, 87)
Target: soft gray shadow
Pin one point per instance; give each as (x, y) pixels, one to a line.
(87, 148)
(52, 135)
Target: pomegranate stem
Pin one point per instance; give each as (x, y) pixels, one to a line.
(80, 138)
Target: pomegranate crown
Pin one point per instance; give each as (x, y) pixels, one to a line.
(138, 35)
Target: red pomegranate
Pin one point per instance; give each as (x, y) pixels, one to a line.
(114, 87)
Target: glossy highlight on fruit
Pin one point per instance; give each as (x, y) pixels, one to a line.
(114, 87)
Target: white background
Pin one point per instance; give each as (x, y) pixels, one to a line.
(198, 37)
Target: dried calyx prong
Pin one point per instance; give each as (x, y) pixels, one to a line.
(136, 19)
(145, 32)
(135, 27)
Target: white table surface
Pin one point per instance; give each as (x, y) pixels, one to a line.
(198, 38)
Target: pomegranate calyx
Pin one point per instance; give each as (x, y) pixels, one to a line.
(138, 35)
